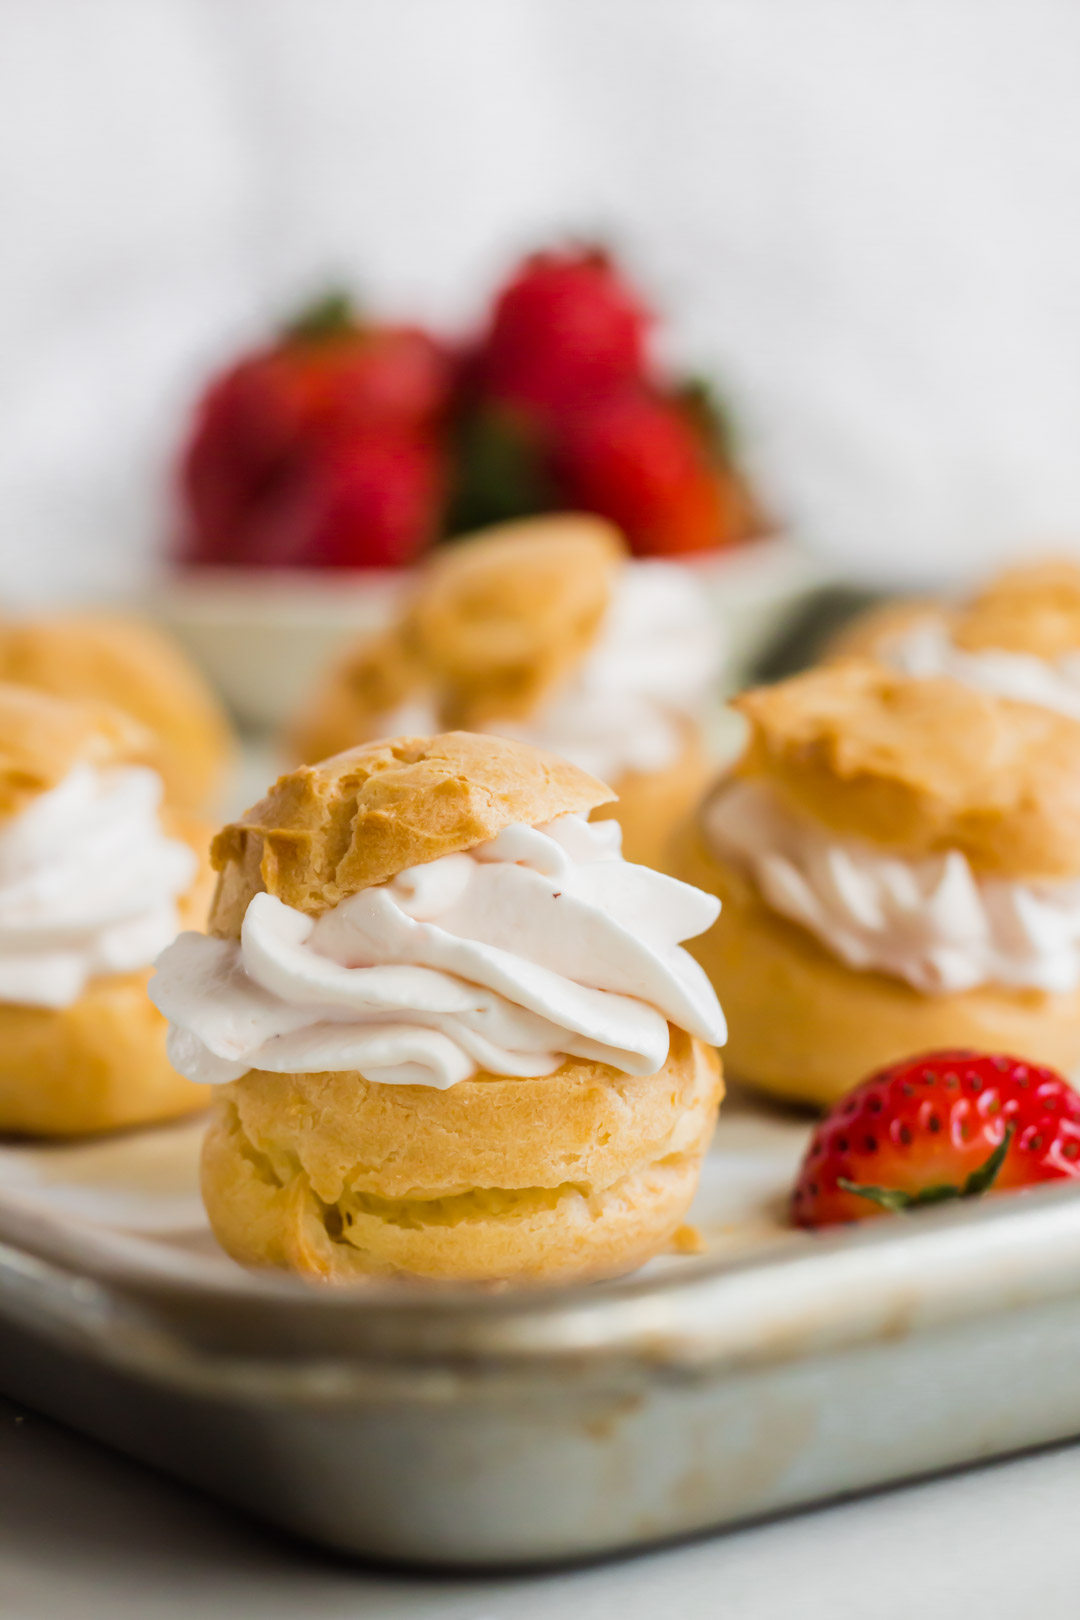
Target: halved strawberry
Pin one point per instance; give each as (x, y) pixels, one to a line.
(950, 1124)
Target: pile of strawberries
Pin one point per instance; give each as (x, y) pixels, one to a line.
(346, 444)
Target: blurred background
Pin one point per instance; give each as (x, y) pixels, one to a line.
(858, 218)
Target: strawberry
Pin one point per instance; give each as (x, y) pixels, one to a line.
(641, 460)
(562, 408)
(320, 450)
(374, 501)
(566, 330)
(945, 1125)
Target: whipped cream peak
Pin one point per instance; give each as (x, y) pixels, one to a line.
(932, 922)
(415, 716)
(539, 945)
(654, 664)
(927, 650)
(88, 884)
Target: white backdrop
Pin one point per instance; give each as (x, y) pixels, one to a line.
(864, 217)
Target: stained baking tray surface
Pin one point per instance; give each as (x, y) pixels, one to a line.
(456, 1426)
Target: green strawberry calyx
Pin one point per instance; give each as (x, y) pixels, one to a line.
(500, 471)
(710, 416)
(329, 315)
(977, 1183)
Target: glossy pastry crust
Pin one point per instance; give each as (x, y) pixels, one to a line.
(581, 1174)
(922, 766)
(325, 831)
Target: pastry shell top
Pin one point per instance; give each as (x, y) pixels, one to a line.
(136, 668)
(42, 739)
(501, 619)
(495, 623)
(1034, 609)
(922, 766)
(325, 831)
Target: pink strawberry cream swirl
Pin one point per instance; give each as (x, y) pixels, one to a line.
(933, 921)
(655, 663)
(928, 650)
(510, 957)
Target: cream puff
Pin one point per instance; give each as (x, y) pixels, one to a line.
(93, 883)
(133, 666)
(451, 1031)
(1018, 638)
(899, 865)
(544, 630)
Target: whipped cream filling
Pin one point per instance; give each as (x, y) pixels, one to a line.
(927, 650)
(654, 663)
(932, 922)
(415, 717)
(88, 884)
(540, 945)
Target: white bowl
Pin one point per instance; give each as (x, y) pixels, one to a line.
(263, 637)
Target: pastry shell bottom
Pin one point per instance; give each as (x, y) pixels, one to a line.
(97, 1065)
(582, 1174)
(803, 1025)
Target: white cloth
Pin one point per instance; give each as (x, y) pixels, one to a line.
(858, 216)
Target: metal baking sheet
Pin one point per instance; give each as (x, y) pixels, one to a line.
(467, 1427)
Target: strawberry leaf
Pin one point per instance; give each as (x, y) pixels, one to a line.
(711, 417)
(893, 1197)
(978, 1182)
(501, 470)
(982, 1179)
(327, 316)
